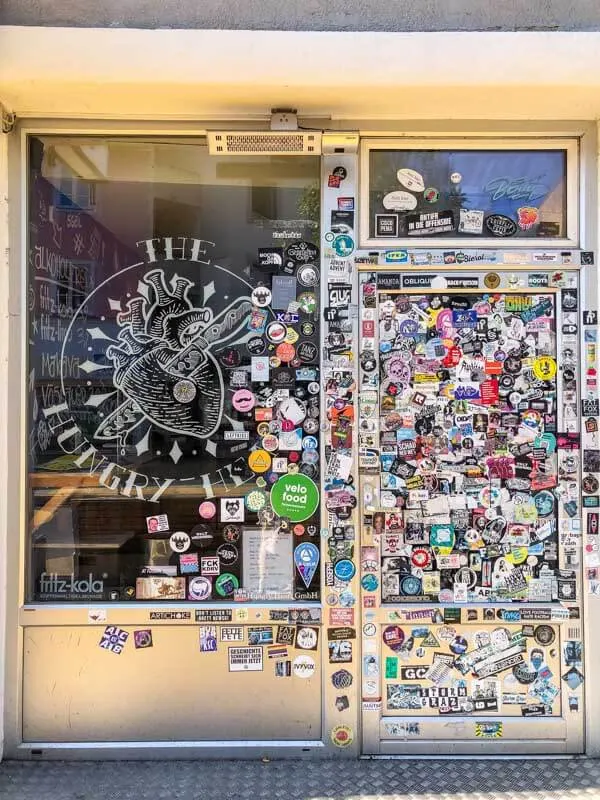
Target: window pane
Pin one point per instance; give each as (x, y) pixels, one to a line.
(468, 193)
(173, 372)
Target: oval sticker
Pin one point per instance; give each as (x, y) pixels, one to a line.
(411, 180)
(399, 201)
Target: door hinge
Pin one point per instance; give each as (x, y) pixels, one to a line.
(8, 119)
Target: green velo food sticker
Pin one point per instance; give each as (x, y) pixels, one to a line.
(295, 497)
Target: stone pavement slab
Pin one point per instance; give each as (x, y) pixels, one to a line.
(415, 779)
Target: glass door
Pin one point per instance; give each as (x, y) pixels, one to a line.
(470, 563)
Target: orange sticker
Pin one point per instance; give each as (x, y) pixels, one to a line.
(285, 352)
(259, 461)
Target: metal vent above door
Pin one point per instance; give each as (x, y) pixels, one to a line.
(264, 143)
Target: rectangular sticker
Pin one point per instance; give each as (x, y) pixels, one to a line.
(245, 659)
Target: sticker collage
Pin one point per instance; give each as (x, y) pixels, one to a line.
(469, 451)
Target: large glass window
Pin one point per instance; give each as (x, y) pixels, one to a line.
(173, 373)
(471, 192)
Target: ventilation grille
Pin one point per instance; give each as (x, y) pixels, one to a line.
(264, 143)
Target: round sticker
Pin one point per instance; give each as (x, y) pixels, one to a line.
(544, 635)
(201, 536)
(231, 533)
(369, 583)
(458, 645)
(456, 177)
(307, 329)
(260, 461)
(410, 585)
(276, 332)
(226, 584)
(261, 296)
(310, 425)
(342, 679)
(270, 443)
(199, 588)
(544, 368)
(342, 736)
(590, 484)
(307, 275)
(307, 302)
(184, 391)
(207, 510)
(420, 557)
(295, 497)
(344, 570)
(286, 352)
(544, 502)
(394, 637)
(369, 629)
(306, 638)
(243, 400)
(431, 195)
(227, 553)
(492, 280)
(256, 500)
(256, 345)
(303, 667)
(343, 245)
(180, 542)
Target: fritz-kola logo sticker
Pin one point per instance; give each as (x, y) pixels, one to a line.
(157, 343)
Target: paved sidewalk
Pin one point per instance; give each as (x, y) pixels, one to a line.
(423, 779)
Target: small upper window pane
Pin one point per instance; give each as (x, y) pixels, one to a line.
(490, 195)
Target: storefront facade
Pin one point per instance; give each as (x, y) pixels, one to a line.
(301, 443)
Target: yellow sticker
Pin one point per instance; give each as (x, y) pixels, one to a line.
(517, 555)
(342, 736)
(259, 461)
(291, 336)
(489, 730)
(544, 368)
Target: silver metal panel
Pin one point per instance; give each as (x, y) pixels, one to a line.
(74, 691)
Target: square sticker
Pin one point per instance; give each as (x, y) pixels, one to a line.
(232, 509)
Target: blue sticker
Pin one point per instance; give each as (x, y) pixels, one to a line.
(343, 245)
(369, 583)
(344, 570)
(306, 559)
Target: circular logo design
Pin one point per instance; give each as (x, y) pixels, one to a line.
(243, 400)
(226, 584)
(344, 570)
(307, 638)
(342, 736)
(303, 667)
(491, 280)
(261, 296)
(342, 679)
(228, 554)
(295, 497)
(207, 510)
(199, 588)
(165, 334)
(180, 542)
(259, 461)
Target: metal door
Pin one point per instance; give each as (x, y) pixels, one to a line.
(470, 549)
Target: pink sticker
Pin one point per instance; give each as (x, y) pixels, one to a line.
(243, 400)
(207, 510)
